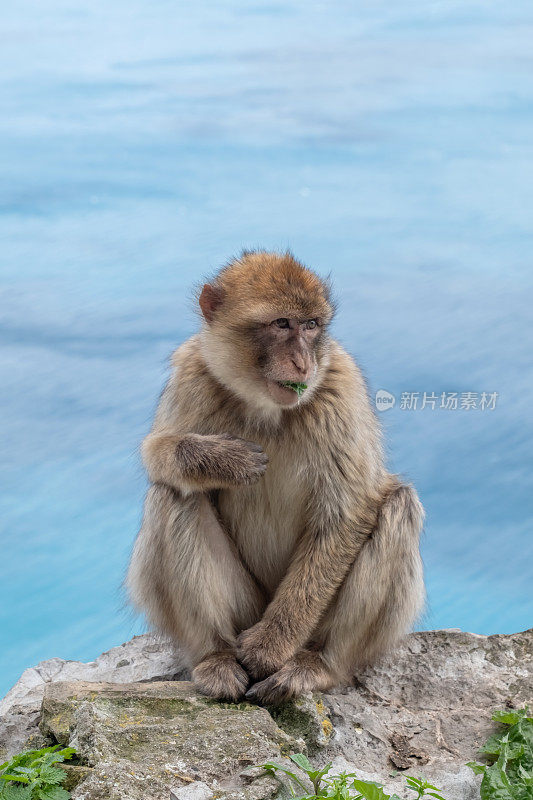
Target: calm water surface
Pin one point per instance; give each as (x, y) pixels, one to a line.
(141, 145)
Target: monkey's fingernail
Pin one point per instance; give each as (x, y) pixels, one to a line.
(251, 694)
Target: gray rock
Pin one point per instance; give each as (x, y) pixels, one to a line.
(197, 790)
(424, 709)
(141, 738)
(143, 658)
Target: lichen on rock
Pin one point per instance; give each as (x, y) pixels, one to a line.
(157, 734)
(305, 718)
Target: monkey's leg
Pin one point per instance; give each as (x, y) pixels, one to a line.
(383, 593)
(377, 603)
(186, 575)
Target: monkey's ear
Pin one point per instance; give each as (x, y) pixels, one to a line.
(210, 300)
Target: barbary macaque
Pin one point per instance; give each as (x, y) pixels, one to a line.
(275, 548)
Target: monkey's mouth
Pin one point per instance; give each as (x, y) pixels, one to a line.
(283, 393)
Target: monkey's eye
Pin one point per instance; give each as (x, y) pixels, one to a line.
(310, 324)
(282, 322)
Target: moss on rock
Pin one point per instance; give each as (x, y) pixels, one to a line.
(306, 719)
(152, 734)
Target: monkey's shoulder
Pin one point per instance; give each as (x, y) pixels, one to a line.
(342, 368)
(343, 386)
(199, 401)
(189, 389)
(188, 355)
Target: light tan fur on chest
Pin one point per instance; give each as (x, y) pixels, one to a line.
(265, 520)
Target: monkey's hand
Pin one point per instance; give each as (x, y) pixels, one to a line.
(220, 461)
(262, 649)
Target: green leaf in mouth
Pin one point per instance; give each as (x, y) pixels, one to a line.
(299, 388)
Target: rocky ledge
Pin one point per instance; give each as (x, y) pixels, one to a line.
(142, 731)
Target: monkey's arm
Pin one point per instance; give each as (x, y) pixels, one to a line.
(175, 455)
(192, 462)
(319, 566)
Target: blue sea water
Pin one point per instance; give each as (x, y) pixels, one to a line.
(141, 145)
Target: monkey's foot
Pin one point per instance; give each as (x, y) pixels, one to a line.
(220, 676)
(263, 649)
(305, 672)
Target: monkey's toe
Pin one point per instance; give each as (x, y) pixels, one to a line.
(273, 690)
(305, 672)
(220, 676)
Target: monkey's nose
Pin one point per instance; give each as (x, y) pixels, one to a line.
(300, 364)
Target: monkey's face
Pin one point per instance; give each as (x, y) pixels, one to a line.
(266, 319)
(287, 351)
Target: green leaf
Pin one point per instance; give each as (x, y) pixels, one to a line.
(526, 776)
(507, 717)
(65, 754)
(492, 746)
(478, 769)
(52, 775)
(302, 761)
(326, 769)
(30, 775)
(495, 785)
(272, 767)
(299, 388)
(53, 793)
(25, 770)
(370, 791)
(511, 776)
(11, 792)
(514, 751)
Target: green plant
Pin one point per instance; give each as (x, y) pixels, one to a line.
(345, 786)
(423, 788)
(299, 388)
(509, 774)
(31, 775)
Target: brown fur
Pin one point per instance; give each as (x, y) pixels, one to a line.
(262, 283)
(235, 461)
(304, 568)
(219, 675)
(304, 672)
